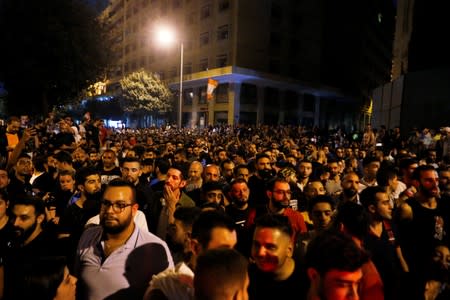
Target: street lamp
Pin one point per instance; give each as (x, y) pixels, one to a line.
(167, 36)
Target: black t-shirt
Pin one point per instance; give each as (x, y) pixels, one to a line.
(263, 286)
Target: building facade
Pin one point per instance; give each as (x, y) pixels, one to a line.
(268, 57)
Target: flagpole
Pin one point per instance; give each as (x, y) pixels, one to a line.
(180, 108)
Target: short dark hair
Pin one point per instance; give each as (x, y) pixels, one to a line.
(418, 171)
(368, 195)
(334, 250)
(218, 270)
(63, 156)
(187, 215)
(28, 200)
(83, 173)
(321, 199)
(354, 217)
(41, 278)
(384, 175)
(271, 182)
(241, 166)
(183, 168)
(130, 160)
(206, 222)
(275, 221)
(119, 182)
(212, 186)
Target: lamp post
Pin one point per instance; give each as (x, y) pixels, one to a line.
(180, 108)
(167, 36)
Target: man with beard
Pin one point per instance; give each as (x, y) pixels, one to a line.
(131, 171)
(421, 224)
(31, 240)
(194, 182)
(257, 182)
(274, 273)
(350, 184)
(164, 203)
(72, 222)
(108, 168)
(278, 192)
(117, 259)
(19, 181)
(241, 213)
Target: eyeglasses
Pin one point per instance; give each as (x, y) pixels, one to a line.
(281, 192)
(116, 206)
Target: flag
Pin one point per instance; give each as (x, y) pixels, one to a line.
(212, 84)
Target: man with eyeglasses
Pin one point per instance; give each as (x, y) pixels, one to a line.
(117, 259)
(278, 191)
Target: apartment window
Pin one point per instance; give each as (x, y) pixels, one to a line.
(190, 19)
(188, 45)
(127, 49)
(126, 68)
(204, 38)
(172, 72)
(187, 69)
(188, 96)
(203, 66)
(222, 93)
(205, 12)
(151, 59)
(222, 32)
(248, 94)
(224, 5)
(133, 65)
(202, 95)
(221, 60)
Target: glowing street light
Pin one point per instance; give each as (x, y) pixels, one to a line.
(166, 36)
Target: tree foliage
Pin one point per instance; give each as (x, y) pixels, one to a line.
(142, 91)
(51, 50)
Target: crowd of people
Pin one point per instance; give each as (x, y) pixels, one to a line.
(255, 212)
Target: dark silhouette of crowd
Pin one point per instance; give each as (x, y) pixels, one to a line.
(92, 212)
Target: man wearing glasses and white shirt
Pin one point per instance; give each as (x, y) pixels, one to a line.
(117, 259)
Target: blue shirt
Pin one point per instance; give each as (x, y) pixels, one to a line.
(126, 272)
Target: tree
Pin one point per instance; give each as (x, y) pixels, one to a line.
(51, 50)
(144, 93)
